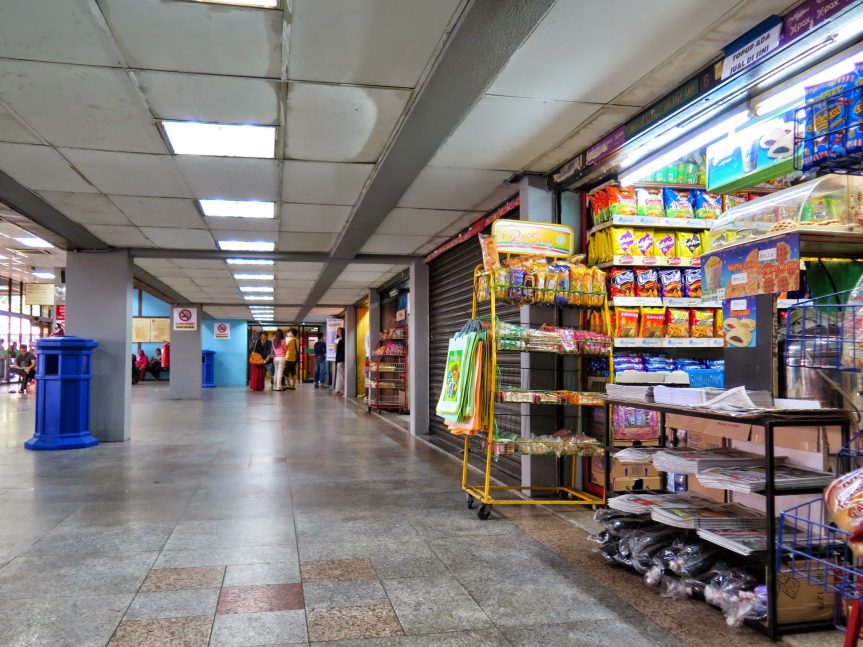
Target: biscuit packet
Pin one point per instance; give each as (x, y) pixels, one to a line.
(677, 322)
(652, 323)
(626, 322)
(701, 322)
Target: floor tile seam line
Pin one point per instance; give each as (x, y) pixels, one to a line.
(297, 544)
(216, 610)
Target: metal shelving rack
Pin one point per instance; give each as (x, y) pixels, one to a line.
(387, 373)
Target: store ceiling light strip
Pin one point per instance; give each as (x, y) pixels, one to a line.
(249, 261)
(221, 140)
(253, 276)
(257, 297)
(256, 288)
(34, 242)
(247, 245)
(686, 147)
(260, 4)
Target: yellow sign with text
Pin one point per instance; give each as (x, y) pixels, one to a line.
(525, 237)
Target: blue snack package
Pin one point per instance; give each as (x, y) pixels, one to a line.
(854, 139)
(707, 205)
(827, 106)
(678, 203)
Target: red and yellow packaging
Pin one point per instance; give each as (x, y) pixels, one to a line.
(652, 322)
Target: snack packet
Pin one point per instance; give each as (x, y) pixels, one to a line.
(621, 201)
(666, 243)
(621, 282)
(689, 244)
(626, 322)
(562, 288)
(677, 322)
(646, 282)
(701, 322)
(707, 205)
(678, 203)
(854, 138)
(598, 201)
(692, 282)
(622, 241)
(731, 200)
(719, 326)
(652, 322)
(671, 282)
(644, 242)
(490, 257)
(597, 289)
(649, 203)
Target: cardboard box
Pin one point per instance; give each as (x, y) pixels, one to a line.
(700, 440)
(625, 476)
(799, 601)
(714, 494)
(629, 434)
(717, 428)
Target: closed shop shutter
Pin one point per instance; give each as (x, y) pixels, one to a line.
(450, 299)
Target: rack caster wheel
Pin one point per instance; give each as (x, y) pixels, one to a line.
(470, 502)
(484, 512)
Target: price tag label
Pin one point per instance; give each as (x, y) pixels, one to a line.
(768, 254)
(738, 304)
(739, 278)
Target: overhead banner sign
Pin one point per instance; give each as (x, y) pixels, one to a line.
(524, 237)
(332, 328)
(221, 330)
(39, 294)
(809, 15)
(763, 267)
(185, 318)
(753, 46)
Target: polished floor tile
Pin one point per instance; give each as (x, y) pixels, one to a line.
(320, 595)
(434, 604)
(173, 604)
(165, 632)
(269, 628)
(336, 570)
(263, 597)
(347, 623)
(251, 574)
(178, 579)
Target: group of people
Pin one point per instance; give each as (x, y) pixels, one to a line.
(281, 355)
(141, 365)
(17, 360)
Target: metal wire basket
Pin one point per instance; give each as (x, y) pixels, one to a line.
(826, 333)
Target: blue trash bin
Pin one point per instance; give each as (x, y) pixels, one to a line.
(208, 369)
(63, 394)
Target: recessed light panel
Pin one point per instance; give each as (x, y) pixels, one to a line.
(256, 288)
(249, 261)
(223, 140)
(247, 245)
(257, 297)
(261, 4)
(254, 276)
(237, 209)
(34, 242)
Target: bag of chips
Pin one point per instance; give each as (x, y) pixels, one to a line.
(692, 282)
(652, 322)
(649, 203)
(671, 282)
(646, 282)
(644, 242)
(622, 241)
(689, 244)
(678, 203)
(621, 282)
(626, 322)
(707, 205)
(677, 322)
(701, 322)
(490, 257)
(666, 243)
(621, 201)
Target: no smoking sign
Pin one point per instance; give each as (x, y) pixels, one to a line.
(222, 330)
(185, 319)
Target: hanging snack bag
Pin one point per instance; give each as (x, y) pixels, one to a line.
(516, 285)
(677, 322)
(597, 289)
(652, 323)
(599, 205)
(580, 279)
(621, 201)
(502, 279)
(649, 203)
(854, 139)
(707, 205)
(621, 282)
(689, 244)
(490, 257)
(644, 242)
(731, 200)
(692, 282)
(666, 243)
(678, 203)
(671, 282)
(646, 282)
(622, 241)
(562, 288)
(626, 322)
(701, 322)
(827, 108)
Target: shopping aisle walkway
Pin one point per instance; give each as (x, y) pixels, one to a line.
(282, 518)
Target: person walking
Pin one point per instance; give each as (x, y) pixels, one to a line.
(4, 361)
(292, 357)
(263, 348)
(320, 363)
(278, 359)
(339, 386)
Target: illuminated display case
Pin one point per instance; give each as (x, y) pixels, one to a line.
(829, 203)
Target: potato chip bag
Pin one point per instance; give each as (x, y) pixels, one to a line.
(677, 322)
(644, 242)
(490, 257)
(666, 243)
(689, 244)
(731, 200)
(652, 322)
(621, 201)
(649, 203)
(678, 203)
(671, 282)
(692, 282)
(701, 322)
(622, 241)
(646, 282)
(626, 322)
(598, 201)
(621, 282)
(707, 205)
(718, 324)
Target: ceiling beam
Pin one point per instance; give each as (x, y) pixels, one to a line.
(145, 281)
(486, 36)
(269, 304)
(297, 257)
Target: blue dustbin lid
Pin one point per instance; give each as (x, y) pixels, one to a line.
(67, 342)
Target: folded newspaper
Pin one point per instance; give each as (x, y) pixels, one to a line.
(742, 542)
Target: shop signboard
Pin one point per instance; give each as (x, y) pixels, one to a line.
(185, 318)
(753, 46)
(809, 15)
(221, 330)
(39, 294)
(738, 322)
(525, 237)
(332, 326)
(768, 266)
(60, 314)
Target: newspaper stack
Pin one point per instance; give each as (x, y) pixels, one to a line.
(686, 460)
(742, 542)
(637, 454)
(628, 392)
(680, 396)
(753, 478)
(644, 503)
(725, 516)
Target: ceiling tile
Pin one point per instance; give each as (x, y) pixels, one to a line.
(332, 123)
(372, 42)
(223, 274)
(323, 182)
(506, 133)
(242, 234)
(80, 107)
(222, 99)
(211, 281)
(417, 221)
(326, 312)
(640, 37)
(386, 244)
(294, 275)
(11, 129)
(305, 242)
(170, 238)
(130, 173)
(160, 212)
(120, 236)
(378, 268)
(287, 266)
(41, 168)
(197, 37)
(230, 178)
(86, 208)
(314, 217)
(47, 30)
(201, 263)
(465, 221)
(219, 225)
(452, 188)
(432, 245)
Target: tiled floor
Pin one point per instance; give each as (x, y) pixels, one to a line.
(294, 518)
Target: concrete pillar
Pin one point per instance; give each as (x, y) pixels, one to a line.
(351, 352)
(418, 346)
(99, 306)
(374, 318)
(186, 360)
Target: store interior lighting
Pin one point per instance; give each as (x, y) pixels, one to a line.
(237, 208)
(247, 245)
(223, 140)
(689, 145)
(257, 297)
(249, 261)
(261, 4)
(256, 288)
(253, 276)
(34, 242)
(42, 274)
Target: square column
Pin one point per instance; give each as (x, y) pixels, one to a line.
(99, 306)
(374, 318)
(418, 346)
(185, 372)
(351, 352)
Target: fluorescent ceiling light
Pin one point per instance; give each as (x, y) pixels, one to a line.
(257, 297)
(237, 208)
(253, 276)
(256, 288)
(247, 245)
(34, 242)
(224, 140)
(688, 146)
(263, 4)
(40, 274)
(249, 261)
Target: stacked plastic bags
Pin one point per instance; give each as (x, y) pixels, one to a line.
(464, 402)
